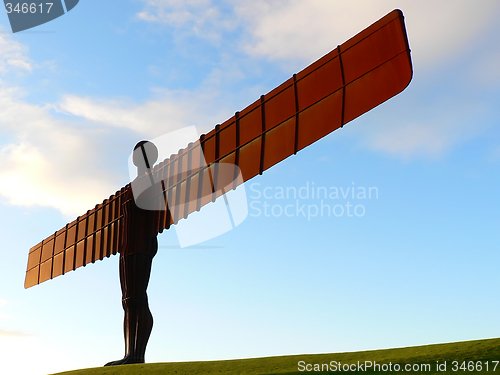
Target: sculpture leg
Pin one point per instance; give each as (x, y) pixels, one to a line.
(139, 324)
(135, 270)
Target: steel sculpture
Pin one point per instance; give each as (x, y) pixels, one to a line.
(355, 77)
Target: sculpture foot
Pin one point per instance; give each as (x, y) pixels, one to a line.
(127, 360)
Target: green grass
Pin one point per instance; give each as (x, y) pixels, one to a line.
(478, 350)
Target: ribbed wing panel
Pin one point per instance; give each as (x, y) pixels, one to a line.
(92, 236)
(358, 75)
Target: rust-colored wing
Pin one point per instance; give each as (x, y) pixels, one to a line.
(358, 75)
(92, 236)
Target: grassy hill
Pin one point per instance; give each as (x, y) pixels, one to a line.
(421, 359)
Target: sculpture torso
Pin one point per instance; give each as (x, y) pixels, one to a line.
(138, 235)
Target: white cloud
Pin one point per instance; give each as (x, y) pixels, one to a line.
(173, 110)
(18, 63)
(305, 30)
(296, 29)
(54, 163)
(13, 56)
(46, 162)
(288, 30)
(9, 333)
(199, 17)
(414, 139)
(429, 133)
(52, 155)
(70, 155)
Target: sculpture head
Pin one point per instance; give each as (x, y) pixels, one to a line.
(145, 156)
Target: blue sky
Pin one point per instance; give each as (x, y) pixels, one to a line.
(418, 267)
